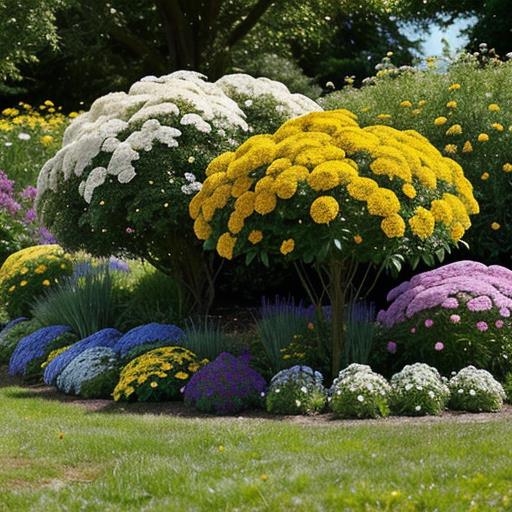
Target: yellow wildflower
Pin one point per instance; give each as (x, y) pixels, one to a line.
(46, 282)
(441, 211)
(154, 384)
(452, 104)
(265, 202)
(324, 209)
(225, 245)
(255, 236)
(454, 87)
(422, 223)
(72, 115)
(46, 140)
(422, 103)
(287, 246)
(457, 231)
(483, 137)
(393, 226)
(485, 176)
(498, 127)
(361, 188)
(358, 239)
(455, 129)
(323, 178)
(181, 375)
(383, 202)
(24, 283)
(493, 107)
(507, 167)
(12, 288)
(495, 226)
(409, 190)
(450, 149)
(41, 269)
(406, 104)
(384, 117)
(439, 121)
(468, 147)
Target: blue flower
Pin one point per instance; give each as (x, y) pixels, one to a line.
(34, 346)
(148, 333)
(103, 338)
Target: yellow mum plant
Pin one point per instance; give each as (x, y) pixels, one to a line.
(323, 190)
(26, 274)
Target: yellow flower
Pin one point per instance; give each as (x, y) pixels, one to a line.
(12, 288)
(441, 211)
(361, 188)
(450, 149)
(507, 167)
(23, 271)
(422, 103)
(454, 87)
(255, 236)
(483, 137)
(323, 178)
(384, 117)
(41, 269)
(452, 104)
(495, 226)
(49, 103)
(225, 245)
(46, 140)
(416, 111)
(287, 246)
(393, 226)
(457, 231)
(498, 127)
(493, 107)
(455, 129)
(265, 202)
(23, 283)
(422, 223)
(383, 202)
(358, 239)
(235, 223)
(202, 229)
(72, 115)
(46, 282)
(468, 147)
(324, 209)
(406, 104)
(409, 190)
(485, 176)
(154, 384)
(439, 121)
(181, 375)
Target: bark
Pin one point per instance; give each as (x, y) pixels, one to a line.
(338, 294)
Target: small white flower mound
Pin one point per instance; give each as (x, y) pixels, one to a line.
(476, 390)
(418, 390)
(359, 392)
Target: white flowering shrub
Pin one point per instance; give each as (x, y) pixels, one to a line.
(296, 390)
(418, 390)
(127, 169)
(358, 392)
(475, 390)
(92, 374)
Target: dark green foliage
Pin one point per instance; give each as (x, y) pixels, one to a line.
(13, 336)
(101, 386)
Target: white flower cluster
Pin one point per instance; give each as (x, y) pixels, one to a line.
(291, 105)
(125, 124)
(359, 392)
(89, 365)
(476, 391)
(192, 186)
(418, 390)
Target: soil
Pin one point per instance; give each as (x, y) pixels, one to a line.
(179, 410)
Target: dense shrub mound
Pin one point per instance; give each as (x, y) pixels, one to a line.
(227, 385)
(455, 315)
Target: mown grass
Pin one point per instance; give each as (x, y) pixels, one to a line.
(60, 457)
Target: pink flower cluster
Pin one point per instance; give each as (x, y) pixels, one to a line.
(469, 283)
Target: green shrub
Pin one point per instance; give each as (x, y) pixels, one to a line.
(206, 339)
(464, 112)
(508, 387)
(10, 338)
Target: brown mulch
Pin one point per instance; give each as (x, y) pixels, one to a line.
(178, 410)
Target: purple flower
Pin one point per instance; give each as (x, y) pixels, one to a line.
(499, 324)
(439, 346)
(391, 347)
(130, 230)
(30, 215)
(482, 326)
(481, 303)
(505, 312)
(429, 323)
(454, 319)
(29, 193)
(450, 303)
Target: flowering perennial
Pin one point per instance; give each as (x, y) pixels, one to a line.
(355, 185)
(358, 392)
(159, 374)
(418, 390)
(103, 338)
(227, 385)
(475, 391)
(296, 390)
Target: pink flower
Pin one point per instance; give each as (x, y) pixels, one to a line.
(450, 303)
(429, 323)
(499, 324)
(482, 326)
(454, 319)
(130, 230)
(391, 347)
(413, 330)
(439, 346)
(505, 312)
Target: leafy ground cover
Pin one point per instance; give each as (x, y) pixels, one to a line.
(63, 456)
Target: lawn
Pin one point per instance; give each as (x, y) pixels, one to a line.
(61, 456)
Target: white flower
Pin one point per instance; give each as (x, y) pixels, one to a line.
(304, 389)
(472, 392)
(24, 136)
(417, 408)
(8, 144)
(191, 160)
(189, 176)
(262, 394)
(248, 103)
(297, 403)
(460, 391)
(278, 390)
(408, 387)
(360, 398)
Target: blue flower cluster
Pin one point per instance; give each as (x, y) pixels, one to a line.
(225, 386)
(104, 338)
(148, 333)
(297, 373)
(33, 346)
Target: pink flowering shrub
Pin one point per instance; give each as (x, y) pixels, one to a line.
(451, 317)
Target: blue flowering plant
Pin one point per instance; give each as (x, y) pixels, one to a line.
(91, 374)
(152, 335)
(475, 390)
(33, 350)
(359, 392)
(456, 315)
(227, 385)
(11, 334)
(418, 390)
(296, 390)
(104, 338)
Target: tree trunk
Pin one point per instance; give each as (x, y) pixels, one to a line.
(338, 278)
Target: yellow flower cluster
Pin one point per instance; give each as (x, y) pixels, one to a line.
(166, 368)
(326, 160)
(53, 354)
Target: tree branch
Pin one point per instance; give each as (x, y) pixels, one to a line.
(245, 26)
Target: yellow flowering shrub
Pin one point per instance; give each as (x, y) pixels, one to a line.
(157, 375)
(26, 274)
(464, 111)
(323, 187)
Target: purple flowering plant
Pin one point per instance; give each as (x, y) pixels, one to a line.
(227, 385)
(450, 317)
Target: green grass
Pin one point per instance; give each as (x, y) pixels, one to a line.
(59, 457)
